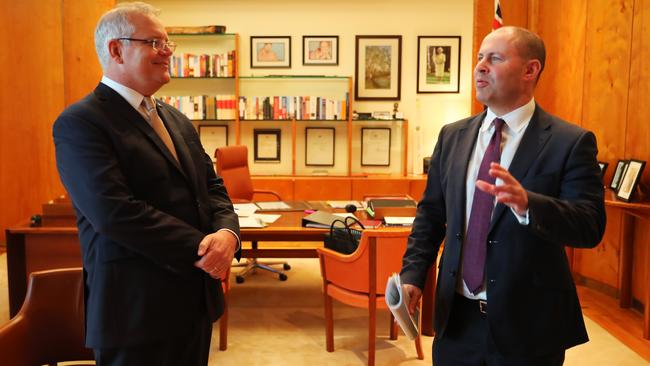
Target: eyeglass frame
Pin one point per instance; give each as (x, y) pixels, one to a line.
(167, 45)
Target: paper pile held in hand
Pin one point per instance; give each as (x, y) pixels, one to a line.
(397, 301)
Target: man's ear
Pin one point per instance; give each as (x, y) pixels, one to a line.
(533, 68)
(115, 50)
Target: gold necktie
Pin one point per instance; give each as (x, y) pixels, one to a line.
(158, 125)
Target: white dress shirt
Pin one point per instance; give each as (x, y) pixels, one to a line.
(515, 125)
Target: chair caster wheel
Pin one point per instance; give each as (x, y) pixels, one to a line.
(286, 266)
(239, 279)
(283, 277)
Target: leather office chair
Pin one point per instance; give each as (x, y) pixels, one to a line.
(359, 280)
(49, 328)
(232, 166)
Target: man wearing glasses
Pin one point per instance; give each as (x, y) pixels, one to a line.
(157, 229)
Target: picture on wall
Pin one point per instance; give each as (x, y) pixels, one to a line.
(378, 62)
(213, 137)
(266, 145)
(320, 50)
(270, 52)
(438, 64)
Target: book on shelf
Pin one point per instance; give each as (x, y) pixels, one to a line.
(203, 29)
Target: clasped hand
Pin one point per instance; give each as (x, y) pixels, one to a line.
(511, 193)
(217, 250)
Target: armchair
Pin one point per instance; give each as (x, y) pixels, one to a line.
(49, 328)
(232, 167)
(359, 280)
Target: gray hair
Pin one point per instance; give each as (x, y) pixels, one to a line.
(116, 23)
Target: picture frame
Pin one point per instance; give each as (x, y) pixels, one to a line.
(630, 179)
(603, 167)
(320, 144)
(270, 52)
(618, 175)
(438, 69)
(378, 65)
(267, 144)
(213, 137)
(320, 50)
(375, 146)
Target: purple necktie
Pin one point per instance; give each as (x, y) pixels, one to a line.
(480, 216)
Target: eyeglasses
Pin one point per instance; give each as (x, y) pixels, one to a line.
(158, 45)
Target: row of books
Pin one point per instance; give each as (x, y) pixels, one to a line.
(189, 65)
(204, 107)
(290, 107)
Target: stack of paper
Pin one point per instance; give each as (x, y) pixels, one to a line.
(397, 301)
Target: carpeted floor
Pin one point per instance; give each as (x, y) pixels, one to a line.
(281, 323)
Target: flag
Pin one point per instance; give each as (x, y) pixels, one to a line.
(497, 22)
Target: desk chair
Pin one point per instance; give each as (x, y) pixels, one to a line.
(359, 280)
(49, 328)
(232, 166)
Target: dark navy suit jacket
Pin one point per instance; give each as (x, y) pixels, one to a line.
(533, 307)
(141, 215)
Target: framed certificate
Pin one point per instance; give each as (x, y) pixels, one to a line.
(630, 179)
(213, 137)
(267, 144)
(375, 146)
(319, 146)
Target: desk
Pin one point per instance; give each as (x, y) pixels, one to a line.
(32, 249)
(631, 212)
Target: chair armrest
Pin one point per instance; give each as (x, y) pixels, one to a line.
(14, 342)
(269, 192)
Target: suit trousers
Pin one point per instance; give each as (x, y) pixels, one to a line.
(467, 341)
(190, 349)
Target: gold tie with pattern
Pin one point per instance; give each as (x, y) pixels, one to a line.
(158, 125)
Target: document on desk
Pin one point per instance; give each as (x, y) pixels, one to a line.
(273, 205)
(397, 301)
(245, 209)
(399, 221)
(267, 218)
(250, 222)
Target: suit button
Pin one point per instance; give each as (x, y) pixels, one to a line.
(493, 281)
(453, 273)
(459, 236)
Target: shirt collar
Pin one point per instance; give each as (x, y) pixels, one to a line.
(516, 120)
(131, 96)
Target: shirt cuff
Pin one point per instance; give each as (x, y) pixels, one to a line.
(236, 237)
(523, 220)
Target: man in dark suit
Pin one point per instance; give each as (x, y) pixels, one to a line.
(505, 295)
(157, 229)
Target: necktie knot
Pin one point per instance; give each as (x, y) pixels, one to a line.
(149, 104)
(498, 125)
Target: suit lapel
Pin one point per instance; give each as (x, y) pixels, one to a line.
(127, 112)
(182, 149)
(462, 154)
(536, 136)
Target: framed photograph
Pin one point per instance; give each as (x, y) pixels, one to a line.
(213, 137)
(618, 174)
(270, 52)
(438, 64)
(603, 167)
(375, 146)
(320, 50)
(267, 144)
(319, 146)
(630, 179)
(378, 65)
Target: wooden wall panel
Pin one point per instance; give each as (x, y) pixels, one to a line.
(560, 88)
(82, 68)
(282, 186)
(379, 186)
(607, 71)
(31, 96)
(637, 138)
